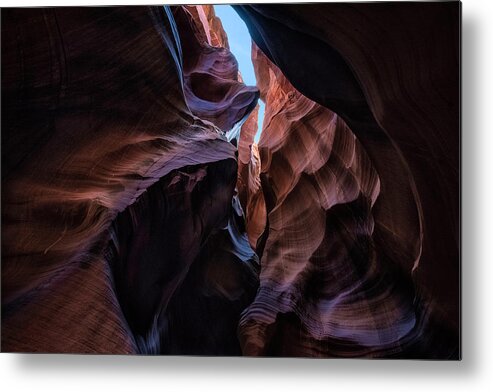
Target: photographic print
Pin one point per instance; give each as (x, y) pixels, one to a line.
(272, 180)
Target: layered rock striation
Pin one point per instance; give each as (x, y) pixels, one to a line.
(116, 170)
(394, 84)
(139, 215)
(320, 266)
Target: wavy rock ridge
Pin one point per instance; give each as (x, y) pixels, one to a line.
(383, 279)
(319, 262)
(139, 215)
(119, 135)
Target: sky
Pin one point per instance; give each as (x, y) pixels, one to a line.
(240, 44)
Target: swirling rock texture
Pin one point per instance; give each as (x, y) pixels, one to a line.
(116, 171)
(249, 185)
(212, 86)
(364, 259)
(131, 223)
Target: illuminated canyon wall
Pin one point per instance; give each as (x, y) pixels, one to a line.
(117, 174)
(372, 267)
(139, 215)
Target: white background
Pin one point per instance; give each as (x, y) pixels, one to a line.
(473, 373)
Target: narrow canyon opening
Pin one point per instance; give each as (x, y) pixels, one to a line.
(152, 203)
(240, 44)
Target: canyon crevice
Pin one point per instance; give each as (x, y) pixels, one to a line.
(140, 216)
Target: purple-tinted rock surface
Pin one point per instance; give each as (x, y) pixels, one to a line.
(139, 215)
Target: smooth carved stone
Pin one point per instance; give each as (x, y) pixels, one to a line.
(212, 86)
(203, 316)
(154, 243)
(208, 25)
(95, 114)
(249, 189)
(395, 82)
(326, 287)
(312, 163)
(130, 220)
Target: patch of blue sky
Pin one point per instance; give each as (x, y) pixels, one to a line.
(240, 45)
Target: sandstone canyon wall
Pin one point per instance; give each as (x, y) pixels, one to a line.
(139, 215)
(116, 171)
(378, 250)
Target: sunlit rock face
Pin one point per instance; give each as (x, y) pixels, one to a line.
(212, 88)
(249, 189)
(364, 259)
(137, 218)
(319, 263)
(115, 174)
(207, 26)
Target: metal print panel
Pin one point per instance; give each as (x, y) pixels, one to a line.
(258, 180)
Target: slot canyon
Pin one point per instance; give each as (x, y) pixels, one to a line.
(141, 216)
